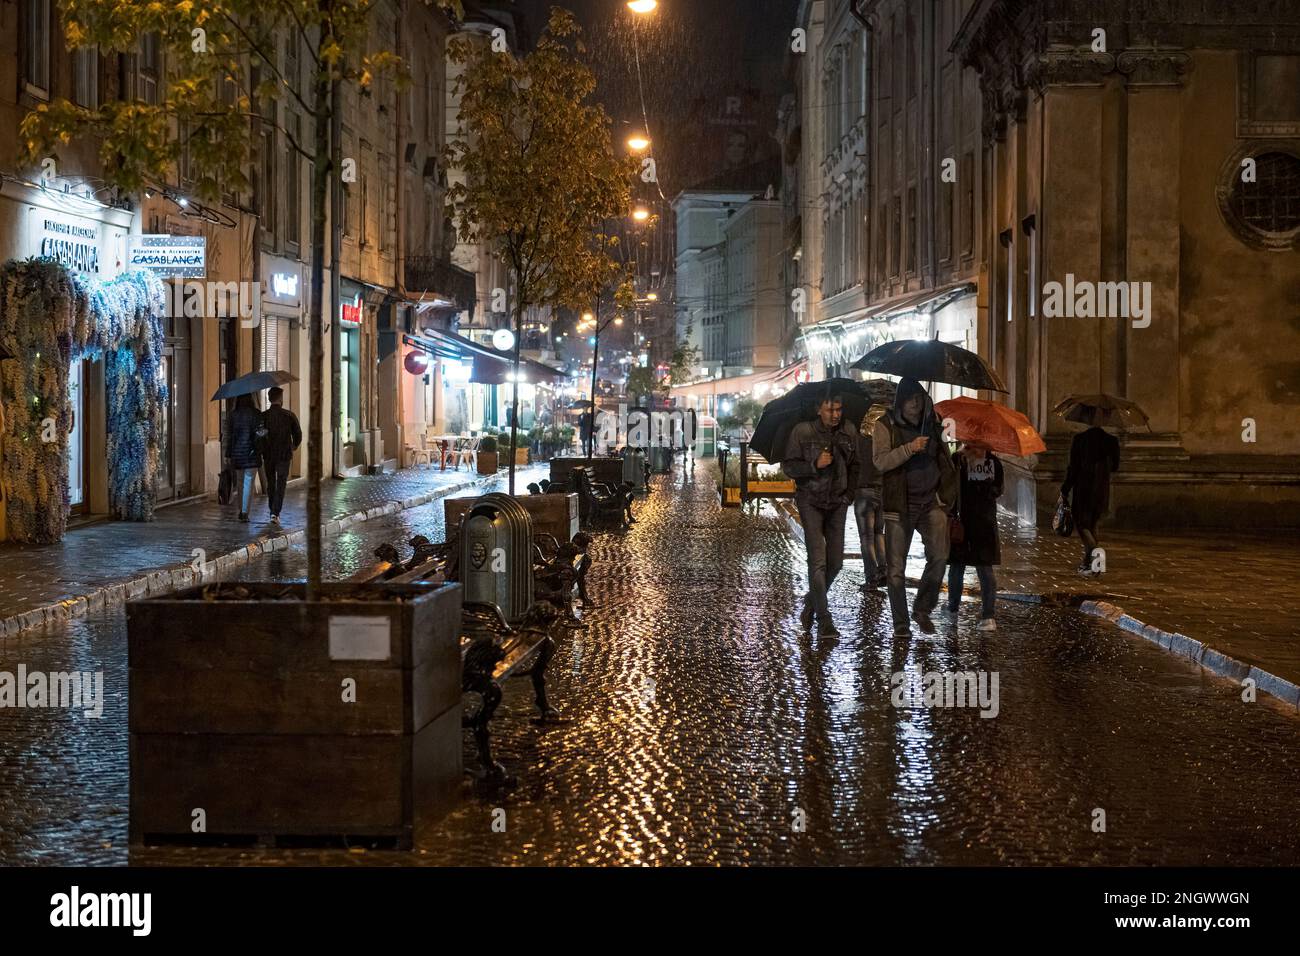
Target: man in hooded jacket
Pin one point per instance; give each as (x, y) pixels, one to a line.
(919, 490)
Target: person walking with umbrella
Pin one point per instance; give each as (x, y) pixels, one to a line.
(978, 544)
(242, 439)
(919, 489)
(867, 511)
(1094, 455)
(822, 457)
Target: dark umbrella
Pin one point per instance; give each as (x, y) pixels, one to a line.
(929, 360)
(1103, 410)
(580, 404)
(252, 383)
(800, 405)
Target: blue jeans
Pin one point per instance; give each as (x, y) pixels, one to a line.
(245, 475)
(823, 537)
(871, 529)
(988, 587)
(933, 525)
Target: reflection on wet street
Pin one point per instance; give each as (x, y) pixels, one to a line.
(705, 728)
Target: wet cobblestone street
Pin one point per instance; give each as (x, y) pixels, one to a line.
(705, 728)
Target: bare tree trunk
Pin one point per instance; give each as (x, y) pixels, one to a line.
(514, 409)
(321, 172)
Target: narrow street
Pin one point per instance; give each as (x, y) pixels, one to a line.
(705, 729)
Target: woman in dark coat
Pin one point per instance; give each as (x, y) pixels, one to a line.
(1094, 455)
(981, 487)
(241, 440)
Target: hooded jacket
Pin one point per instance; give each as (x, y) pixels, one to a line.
(894, 460)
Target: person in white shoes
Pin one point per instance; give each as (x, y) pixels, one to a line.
(981, 487)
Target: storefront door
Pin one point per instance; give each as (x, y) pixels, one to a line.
(77, 439)
(173, 449)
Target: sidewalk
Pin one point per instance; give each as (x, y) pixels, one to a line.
(112, 561)
(1235, 594)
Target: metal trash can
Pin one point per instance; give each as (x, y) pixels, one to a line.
(496, 560)
(634, 467)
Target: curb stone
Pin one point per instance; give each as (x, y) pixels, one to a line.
(1198, 653)
(169, 580)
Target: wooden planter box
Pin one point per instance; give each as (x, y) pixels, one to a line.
(731, 497)
(521, 456)
(237, 708)
(608, 470)
(553, 514)
(487, 463)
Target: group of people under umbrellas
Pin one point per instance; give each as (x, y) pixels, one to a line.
(882, 449)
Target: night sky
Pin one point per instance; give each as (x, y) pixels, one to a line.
(697, 56)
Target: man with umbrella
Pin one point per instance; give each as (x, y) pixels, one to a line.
(919, 491)
(1094, 456)
(821, 456)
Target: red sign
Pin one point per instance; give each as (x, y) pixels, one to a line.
(352, 314)
(802, 376)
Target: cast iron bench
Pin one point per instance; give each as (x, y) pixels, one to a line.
(491, 650)
(598, 501)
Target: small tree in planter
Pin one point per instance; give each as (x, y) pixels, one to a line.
(239, 693)
(487, 456)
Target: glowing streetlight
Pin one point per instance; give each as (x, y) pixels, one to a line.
(638, 143)
(642, 6)
(641, 215)
(618, 321)
(653, 297)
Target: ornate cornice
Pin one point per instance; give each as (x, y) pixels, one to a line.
(1070, 67)
(1152, 67)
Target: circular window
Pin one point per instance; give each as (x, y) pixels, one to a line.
(1261, 201)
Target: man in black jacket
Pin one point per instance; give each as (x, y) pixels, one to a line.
(822, 458)
(920, 487)
(283, 436)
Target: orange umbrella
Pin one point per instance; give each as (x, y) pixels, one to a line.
(992, 426)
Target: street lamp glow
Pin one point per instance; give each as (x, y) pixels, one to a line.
(641, 215)
(638, 143)
(653, 297)
(588, 317)
(619, 320)
(642, 6)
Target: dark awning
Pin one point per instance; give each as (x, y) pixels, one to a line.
(490, 366)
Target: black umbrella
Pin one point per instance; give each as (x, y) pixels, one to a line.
(1104, 410)
(252, 383)
(929, 360)
(800, 405)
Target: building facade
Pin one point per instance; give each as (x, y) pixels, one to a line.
(1147, 157)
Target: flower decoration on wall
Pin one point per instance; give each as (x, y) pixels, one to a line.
(50, 318)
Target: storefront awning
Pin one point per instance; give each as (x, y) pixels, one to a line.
(489, 366)
(738, 384)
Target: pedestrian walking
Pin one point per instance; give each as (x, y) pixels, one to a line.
(822, 457)
(283, 436)
(919, 490)
(868, 514)
(1094, 456)
(242, 439)
(978, 544)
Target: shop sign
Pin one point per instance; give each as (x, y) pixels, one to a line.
(181, 257)
(282, 288)
(71, 243)
(351, 314)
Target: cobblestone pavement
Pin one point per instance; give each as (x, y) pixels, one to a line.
(705, 729)
(107, 552)
(1234, 591)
